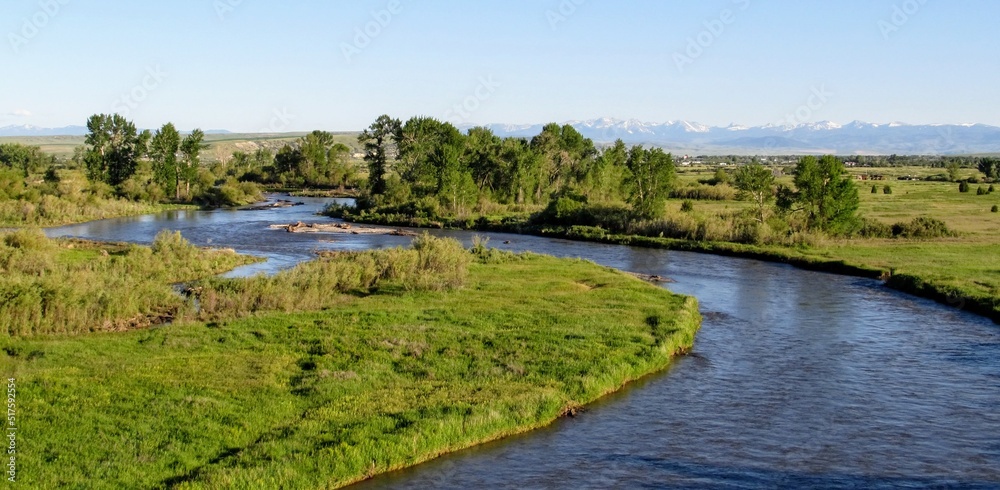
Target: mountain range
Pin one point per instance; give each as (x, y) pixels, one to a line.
(690, 137)
(822, 137)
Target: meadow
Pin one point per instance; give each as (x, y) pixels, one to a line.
(409, 358)
(959, 270)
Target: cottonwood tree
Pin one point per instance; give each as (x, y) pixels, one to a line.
(113, 147)
(482, 156)
(566, 154)
(417, 141)
(22, 157)
(163, 149)
(456, 188)
(191, 148)
(606, 174)
(650, 178)
(378, 141)
(755, 182)
(990, 167)
(825, 193)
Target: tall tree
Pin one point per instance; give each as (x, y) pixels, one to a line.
(826, 194)
(418, 139)
(378, 141)
(990, 167)
(650, 178)
(606, 174)
(315, 167)
(114, 146)
(22, 157)
(566, 154)
(522, 180)
(755, 182)
(482, 155)
(191, 150)
(163, 149)
(456, 188)
(288, 160)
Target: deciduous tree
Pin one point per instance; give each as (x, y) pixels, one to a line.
(378, 141)
(114, 146)
(755, 182)
(650, 178)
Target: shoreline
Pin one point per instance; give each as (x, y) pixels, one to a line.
(687, 319)
(907, 283)
(325, 400)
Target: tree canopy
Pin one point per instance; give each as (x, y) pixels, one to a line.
(114, 146)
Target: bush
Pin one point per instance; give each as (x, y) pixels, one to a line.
(994, 209)
(442, 263)
(432, 264)
(981, 191)
(922, 227)
(564, 209)
(874, 189)
(687, 206)
(702, 192)
(874, 229)
(963, 187)
(990, 190)
(887, 190)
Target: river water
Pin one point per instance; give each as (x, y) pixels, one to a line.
(798, 378)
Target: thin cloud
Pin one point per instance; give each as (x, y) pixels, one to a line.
(20, 113)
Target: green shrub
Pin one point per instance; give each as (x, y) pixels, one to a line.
(687, 206)
(922, 227)
(963, 187)
(871, 228)
(432, 264)
(995, 208)
(990, 190)
(887, 190)
(703, 192)
(981, 191)
(874, 189)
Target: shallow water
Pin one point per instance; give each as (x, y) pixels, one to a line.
(798, 378)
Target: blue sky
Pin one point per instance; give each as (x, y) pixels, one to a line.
(255, 65)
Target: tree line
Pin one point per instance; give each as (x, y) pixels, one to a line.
(428, 166)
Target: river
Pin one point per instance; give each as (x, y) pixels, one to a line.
(798, 378)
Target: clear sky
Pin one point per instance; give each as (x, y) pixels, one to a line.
(255, 65)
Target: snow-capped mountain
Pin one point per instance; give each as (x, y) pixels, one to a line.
(817, 137)
(692, 137)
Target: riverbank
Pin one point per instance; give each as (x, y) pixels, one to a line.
(953, 271)
(381, 380)
(73, 287)
(54, 211)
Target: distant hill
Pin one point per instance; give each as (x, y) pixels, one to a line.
(29, 130)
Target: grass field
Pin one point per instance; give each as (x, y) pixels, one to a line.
(384, 380)
(966, 267)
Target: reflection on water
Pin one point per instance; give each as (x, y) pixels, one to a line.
(800, 379)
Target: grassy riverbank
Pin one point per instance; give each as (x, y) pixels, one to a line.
(398, 369)
(57, 211)
(959, 271)
(73, 286)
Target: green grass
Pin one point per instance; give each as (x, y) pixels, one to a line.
(72, 286)
(321, 399)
